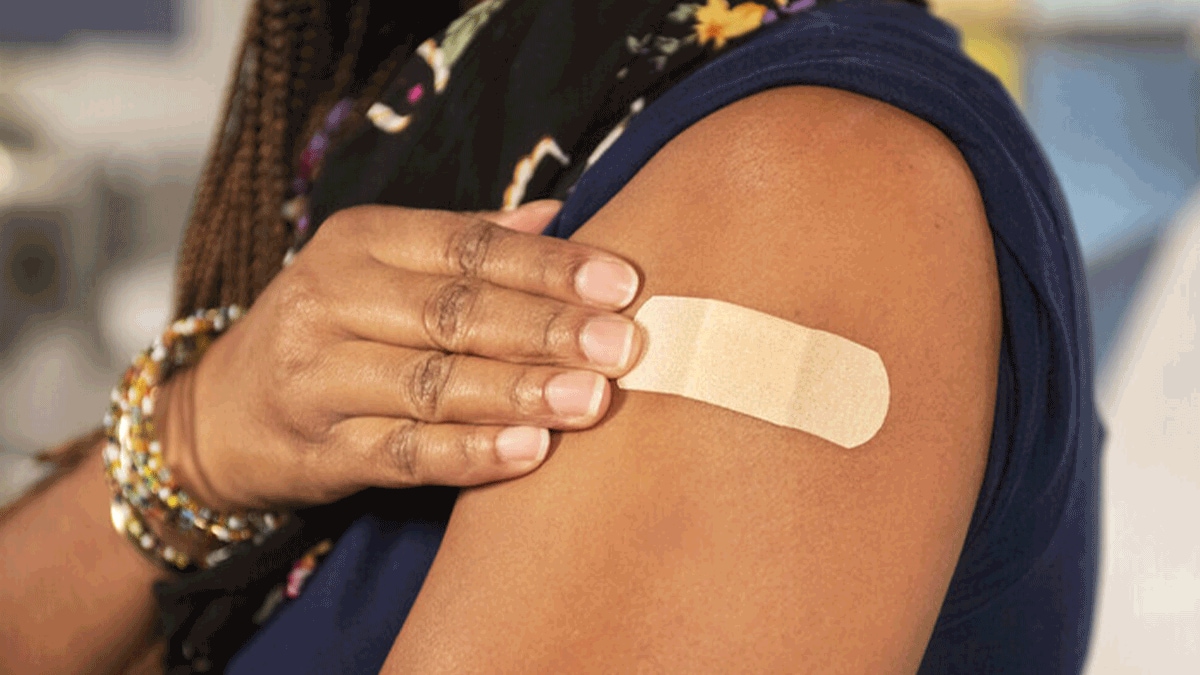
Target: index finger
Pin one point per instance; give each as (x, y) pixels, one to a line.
(457, 244)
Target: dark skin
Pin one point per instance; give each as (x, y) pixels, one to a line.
(680, 537)
(78, 599)
(362, 307)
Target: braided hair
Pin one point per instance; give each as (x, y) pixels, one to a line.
(297, 58)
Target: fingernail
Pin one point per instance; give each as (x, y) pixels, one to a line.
(606, 282)
(608, 342)
(522, 444)
(575, 394)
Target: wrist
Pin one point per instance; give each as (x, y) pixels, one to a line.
(176, 423)
(154, 489)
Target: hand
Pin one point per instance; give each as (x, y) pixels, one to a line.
(400, 348)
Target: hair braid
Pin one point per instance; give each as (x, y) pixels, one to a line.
(342, 75)
(285, 79)
(314, 57)
(200, 265)
(265, 232)
(295, 63)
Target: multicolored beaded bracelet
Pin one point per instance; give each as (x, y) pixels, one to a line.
(143, 488)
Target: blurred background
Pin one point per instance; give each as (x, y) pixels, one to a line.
(106, 107)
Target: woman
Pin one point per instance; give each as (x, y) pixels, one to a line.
(839, 165)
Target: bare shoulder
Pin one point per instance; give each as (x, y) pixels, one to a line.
(677, 536)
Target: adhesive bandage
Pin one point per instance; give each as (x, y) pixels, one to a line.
(763, 366)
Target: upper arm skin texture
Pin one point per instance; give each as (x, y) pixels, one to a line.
(681, 537)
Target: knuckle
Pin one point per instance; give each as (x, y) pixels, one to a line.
(560, 266)
(347, 222)
(350, 230)
(308, 431)
(428, 382)
(288, 405)
(448, 312)
(560, 328)
(300, 297)
(291, 363)
(402, 448)
(467, 250)
(334, 230)
(297, 311)
(468, 448)
(525, 393)
(311, 455)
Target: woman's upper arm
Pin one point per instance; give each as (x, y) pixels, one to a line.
(677, 536)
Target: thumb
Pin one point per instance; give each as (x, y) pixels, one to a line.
(531, 218)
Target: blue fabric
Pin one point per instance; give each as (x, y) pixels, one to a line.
(353, 606)
(1022, 595)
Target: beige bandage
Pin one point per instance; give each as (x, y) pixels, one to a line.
(762, 366)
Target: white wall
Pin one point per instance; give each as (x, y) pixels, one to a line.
(1148, 618)
(140, 112)
(140, 100)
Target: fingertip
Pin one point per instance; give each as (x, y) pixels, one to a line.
(607, 282)
(532, 218)
(577, 396)
(546, 208)
(641, 341)
(612, 344)
(523, 445)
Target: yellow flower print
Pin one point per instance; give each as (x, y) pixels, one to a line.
(717, 22)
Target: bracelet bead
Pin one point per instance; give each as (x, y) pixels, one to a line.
(143, 487)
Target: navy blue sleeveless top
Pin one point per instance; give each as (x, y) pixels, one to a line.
(1021, 597)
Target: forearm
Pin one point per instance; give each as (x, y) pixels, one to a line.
(74, 595)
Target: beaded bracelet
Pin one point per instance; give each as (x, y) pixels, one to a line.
(143, 489)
